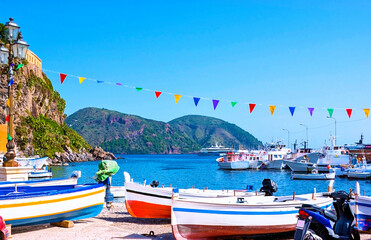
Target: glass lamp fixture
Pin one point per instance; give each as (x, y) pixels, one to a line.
(13, 29)
(20, 47)
(4, 54)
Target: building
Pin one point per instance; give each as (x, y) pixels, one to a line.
(34, 62)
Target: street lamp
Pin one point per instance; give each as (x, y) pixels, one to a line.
(335, 127)
(288, 137)
(17, 48)
(306, 127)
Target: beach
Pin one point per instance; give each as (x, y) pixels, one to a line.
(114, 224)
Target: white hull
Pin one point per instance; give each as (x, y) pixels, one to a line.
(275, 164)
(298, 166)
(213, 218)
(358, 174)
(237, 165)
(363, 212)
(314, 176)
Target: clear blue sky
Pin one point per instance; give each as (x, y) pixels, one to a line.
(285, 53)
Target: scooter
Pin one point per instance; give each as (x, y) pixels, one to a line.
(315, 223)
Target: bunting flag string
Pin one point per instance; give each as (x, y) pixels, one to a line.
(195, 99)
(11, 82)
(292, 110)
(19, 66)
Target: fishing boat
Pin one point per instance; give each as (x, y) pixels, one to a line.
(27, 205)
(118, 191)
(40, 173)
(362, 210)
(36, 163)
(314, 175)
(209, 218)
(151, 201)
(358, 174)
(233, 161)
(360, 149)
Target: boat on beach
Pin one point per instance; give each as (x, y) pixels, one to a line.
(209, 218)
(28, 205)
(153, 201)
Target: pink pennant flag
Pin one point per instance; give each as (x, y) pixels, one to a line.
(63, 76)
(157, 94)
(349, 111)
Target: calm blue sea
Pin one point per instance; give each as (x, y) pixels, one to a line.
(184, 171)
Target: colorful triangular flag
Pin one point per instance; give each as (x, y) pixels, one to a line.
(349, 111)
(196, 100)
(215, 103)
(11, 82)
(292, 110)
(63, 76)
(177, 97)
(272, 108)
(119, 84)
(7, 118)
(100, 81)
(9, 137)
(330, 111)
(139, 89)
(367, 111)
(252, 106)
(157, 94)
(81, 79)
(233, 103)
(8, 102)
(19, 66)
(311, 111)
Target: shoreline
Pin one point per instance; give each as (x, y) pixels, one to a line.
(116, 224)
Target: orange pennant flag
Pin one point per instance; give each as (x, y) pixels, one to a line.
(272, 108)
(367, 111)
(81, 79)
(177, 97)
(8, 102)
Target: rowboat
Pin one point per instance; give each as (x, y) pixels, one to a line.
(40, 173)
(314, 175)
(27, 205)
(359, 174)
(209, 218)
(150, 201)
(362, 210)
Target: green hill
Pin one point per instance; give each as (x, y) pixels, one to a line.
(129, 134)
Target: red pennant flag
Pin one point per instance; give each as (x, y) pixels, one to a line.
(7, 118)
(157, 94)
(349, 111)
(63, 76)
(252, 106)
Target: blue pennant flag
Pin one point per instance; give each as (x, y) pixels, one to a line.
(292, 110)
(196, 99)
(11, 82)
(99, 81)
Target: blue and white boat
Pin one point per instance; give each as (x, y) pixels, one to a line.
(27, 205)
(362, 210)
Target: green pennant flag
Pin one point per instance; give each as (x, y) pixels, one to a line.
(330, 111)
(19, 66)
(139, 89)
(9, 137)
(233, 103)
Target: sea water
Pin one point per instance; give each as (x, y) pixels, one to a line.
(185, 171)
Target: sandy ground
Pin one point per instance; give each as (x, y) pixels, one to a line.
(113, 224)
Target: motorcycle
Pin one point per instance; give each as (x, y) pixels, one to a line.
(315, 223)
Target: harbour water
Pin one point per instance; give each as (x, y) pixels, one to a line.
(184, 171)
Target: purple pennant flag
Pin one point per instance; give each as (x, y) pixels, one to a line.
(311, 111)
(215, 103)
(119, 84)
(196, 99)
(11, 65)
(292, 110)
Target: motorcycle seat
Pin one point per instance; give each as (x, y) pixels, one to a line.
(330, 214)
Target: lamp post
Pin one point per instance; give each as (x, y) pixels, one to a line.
(335, 127)
(17, 49)
(306, 127)
(288, 137)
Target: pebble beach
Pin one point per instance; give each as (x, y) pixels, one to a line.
(115, 224)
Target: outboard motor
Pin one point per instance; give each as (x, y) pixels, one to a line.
(269, 187)
(154, 184)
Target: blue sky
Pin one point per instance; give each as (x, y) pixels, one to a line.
(285, 53)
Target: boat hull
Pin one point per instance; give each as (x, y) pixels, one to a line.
(363, 213)
(298, 166)
(236, 165)
(202, 220)
(65, 203)
(314, 176)
(275, 164)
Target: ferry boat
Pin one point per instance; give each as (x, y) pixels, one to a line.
(214, 150)
(360, 149)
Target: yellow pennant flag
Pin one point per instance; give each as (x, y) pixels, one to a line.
(177, 97)
(367, 111)
(81, 79)
(272, 108)
(8, 103)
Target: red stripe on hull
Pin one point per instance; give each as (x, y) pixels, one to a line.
(182, 232)
(147, 210)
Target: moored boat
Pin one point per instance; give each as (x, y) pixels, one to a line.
(214, 150)
(233, 161)
(314, 175)
(362, 210)
(210, 218)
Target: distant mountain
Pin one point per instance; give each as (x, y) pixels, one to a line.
(207, 131)
(129, 134)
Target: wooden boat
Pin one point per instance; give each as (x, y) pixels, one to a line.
(314, 175)
(362, 210)
(210, 218)
(145, 201)
(40, 173)
(27, 205)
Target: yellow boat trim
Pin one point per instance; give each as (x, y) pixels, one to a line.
(54, 213)
(12, 205)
